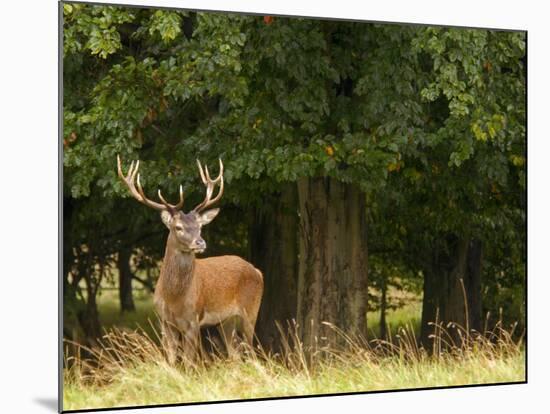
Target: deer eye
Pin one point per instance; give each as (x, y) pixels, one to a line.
(179, 228)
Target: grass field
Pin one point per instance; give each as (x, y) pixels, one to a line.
(109, 311)
(132, 369)
(157, 383)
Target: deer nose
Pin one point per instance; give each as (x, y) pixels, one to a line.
(200, 244)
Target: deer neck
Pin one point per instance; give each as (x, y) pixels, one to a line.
(178, 269)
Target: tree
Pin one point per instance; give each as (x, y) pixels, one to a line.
(273, 244)
(461, 186)
(480, 87)
(125, 277)
(304, 124)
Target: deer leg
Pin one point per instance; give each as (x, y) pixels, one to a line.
(249, 317)
(170, 341)
(190, 340)
(228, 333)
(248, 330)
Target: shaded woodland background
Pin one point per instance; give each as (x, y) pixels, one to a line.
(360, 158)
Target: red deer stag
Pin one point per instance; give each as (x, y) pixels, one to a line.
(192, 292)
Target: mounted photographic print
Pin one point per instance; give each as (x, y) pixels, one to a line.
(260, 206)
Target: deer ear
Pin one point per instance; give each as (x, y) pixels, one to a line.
(166, 217)
(208, 216)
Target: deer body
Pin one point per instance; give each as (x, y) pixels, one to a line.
(192, 292)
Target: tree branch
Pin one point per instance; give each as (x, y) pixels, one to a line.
(144, 282)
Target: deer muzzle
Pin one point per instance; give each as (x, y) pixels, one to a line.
(199, 245)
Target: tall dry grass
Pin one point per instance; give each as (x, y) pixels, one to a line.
(130, 367)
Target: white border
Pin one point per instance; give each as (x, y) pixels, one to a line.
(28, 289)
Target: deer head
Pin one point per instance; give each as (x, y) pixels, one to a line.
(185, 228)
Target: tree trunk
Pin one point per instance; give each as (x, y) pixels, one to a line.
(125, 277)
(433, 286)
(383, 307)
(452, 289)
(70, 299)
(332, 284)
(473, 285)
(274, 250)
(454, 309)
(88, 316)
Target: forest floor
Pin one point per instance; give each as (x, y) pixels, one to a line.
(134, 371)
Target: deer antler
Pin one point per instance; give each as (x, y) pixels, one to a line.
(205, 176)
(131, 181)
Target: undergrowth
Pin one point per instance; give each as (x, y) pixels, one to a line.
(130, 368)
